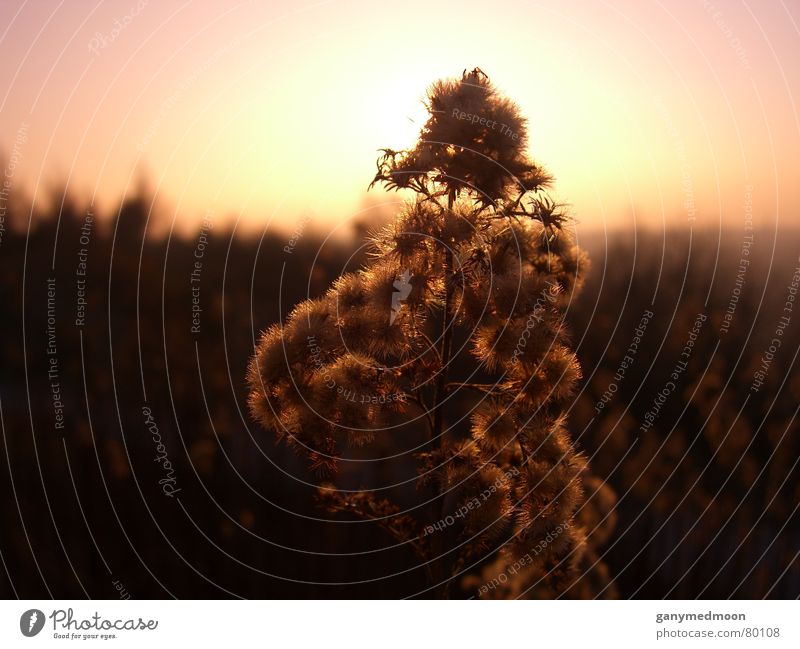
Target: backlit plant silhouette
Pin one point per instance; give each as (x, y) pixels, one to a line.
(454, 325)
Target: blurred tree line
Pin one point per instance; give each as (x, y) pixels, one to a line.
(707, 497)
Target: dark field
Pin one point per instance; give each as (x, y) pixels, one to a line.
(707, 494)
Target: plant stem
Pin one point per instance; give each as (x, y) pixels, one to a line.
(447, 331)
(488, 388)
(438, 403)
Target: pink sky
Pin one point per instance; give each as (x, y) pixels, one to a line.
(643, 110)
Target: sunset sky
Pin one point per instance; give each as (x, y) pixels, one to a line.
(654, 111)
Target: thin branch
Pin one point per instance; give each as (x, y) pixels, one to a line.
(526, 454)
(431, 344)
(416, 398)
(355, 506)
(482, 387)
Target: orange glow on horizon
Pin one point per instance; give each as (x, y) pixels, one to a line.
(640, 111)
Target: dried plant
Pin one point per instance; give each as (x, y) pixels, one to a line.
(458, 316)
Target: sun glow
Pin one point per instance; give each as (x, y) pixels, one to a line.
(269, 112)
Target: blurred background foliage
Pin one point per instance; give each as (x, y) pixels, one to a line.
(707, 498)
